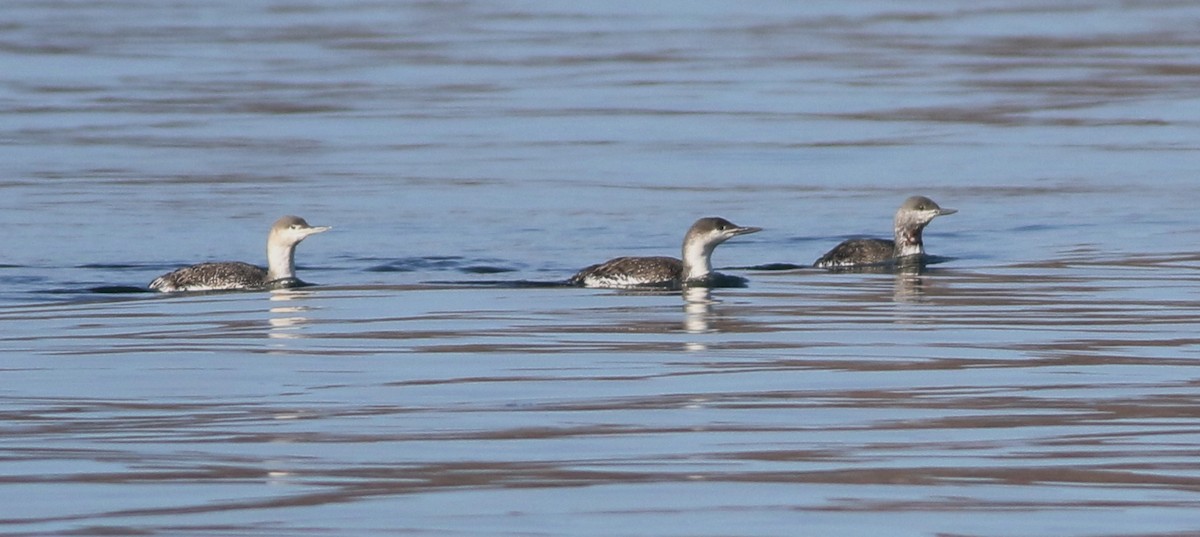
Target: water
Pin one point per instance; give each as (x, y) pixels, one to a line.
(1041, 382)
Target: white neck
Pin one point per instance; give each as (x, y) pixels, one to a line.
(908, 240)
(697, 260)
(281, 261)
(904, 250)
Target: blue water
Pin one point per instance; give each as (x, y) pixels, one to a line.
(1040, 381)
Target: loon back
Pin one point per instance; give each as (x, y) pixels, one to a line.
(858, 252)
(632, 272)
(212, 277)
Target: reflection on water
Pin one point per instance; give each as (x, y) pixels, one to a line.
(910, 285)
(1049, 368)
(991, 391)
(288, 321)
(697, 309)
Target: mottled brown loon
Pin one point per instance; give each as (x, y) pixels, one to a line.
(695, 267)
(285, 234)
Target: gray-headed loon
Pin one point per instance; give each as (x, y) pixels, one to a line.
(911, 218)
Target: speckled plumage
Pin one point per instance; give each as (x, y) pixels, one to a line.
(858, 252)
(212, 277)
(632, 272)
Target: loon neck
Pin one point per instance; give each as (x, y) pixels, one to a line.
(281, 261)
(697, 260)
(908, 239)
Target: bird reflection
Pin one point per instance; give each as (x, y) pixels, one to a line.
(287, 320)
(697, 309)
(909, 285)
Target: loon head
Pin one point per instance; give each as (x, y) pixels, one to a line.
(290, 230)
(713, 230)
(286, 233)
(702, 238)
(916, 212)
(911, 218)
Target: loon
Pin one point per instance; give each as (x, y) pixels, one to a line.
(911, 218)
(285, 234)
(695, 268)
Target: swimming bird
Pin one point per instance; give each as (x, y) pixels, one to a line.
(695, 267)
(911, 218)
(285, 234)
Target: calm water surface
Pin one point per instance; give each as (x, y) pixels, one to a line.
(1042, 381)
